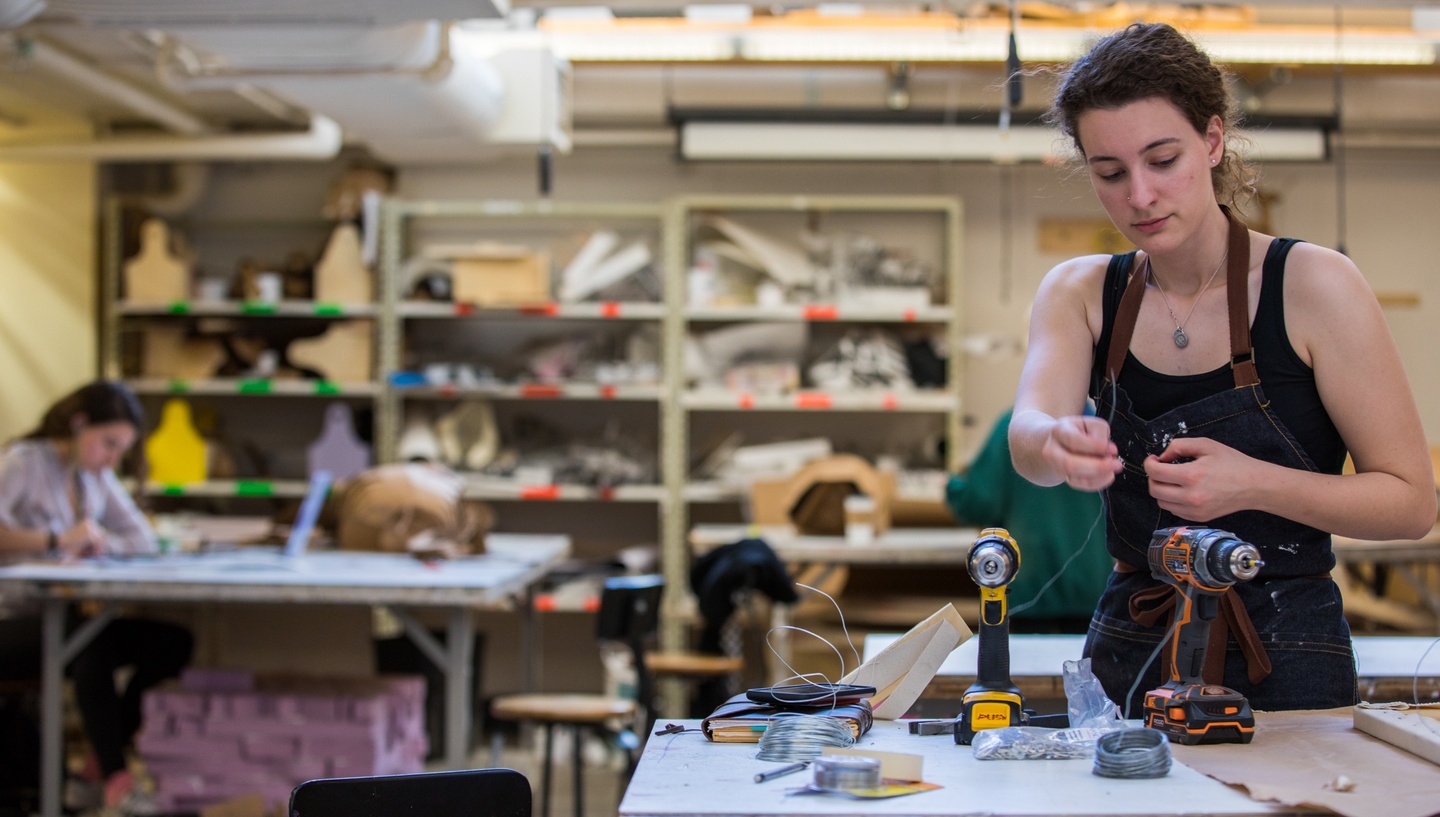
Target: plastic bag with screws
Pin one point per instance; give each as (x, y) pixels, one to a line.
(1092, 715)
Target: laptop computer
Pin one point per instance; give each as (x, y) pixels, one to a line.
(309, 513)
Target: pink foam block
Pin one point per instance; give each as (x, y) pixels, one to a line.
(217, 680)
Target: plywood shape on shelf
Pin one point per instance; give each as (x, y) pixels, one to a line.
(341, 275)
(338, 449)
(343, 354)
(502, 279)
(154, 275)
(176, 451)
(1080, 236)
(169, 351)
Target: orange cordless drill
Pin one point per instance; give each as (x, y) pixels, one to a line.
(1202, 563)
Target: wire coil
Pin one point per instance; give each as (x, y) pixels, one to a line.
(1133, 753)
(791, 738)
(844, 773)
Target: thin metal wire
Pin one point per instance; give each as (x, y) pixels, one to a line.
(1415, 682)
(1140, 676)
(795, 737)
(1132, 753)
(841, 773)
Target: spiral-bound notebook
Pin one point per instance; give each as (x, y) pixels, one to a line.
(741, 720)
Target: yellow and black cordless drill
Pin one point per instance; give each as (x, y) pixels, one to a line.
(993, 700)
(1201, 563)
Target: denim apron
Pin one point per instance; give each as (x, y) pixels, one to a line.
(1282, 640)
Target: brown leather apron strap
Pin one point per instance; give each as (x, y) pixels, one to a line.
(1234, 618)
(1125, 317)
(1237, 296)
(1148, 606)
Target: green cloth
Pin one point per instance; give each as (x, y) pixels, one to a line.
(1047, 524)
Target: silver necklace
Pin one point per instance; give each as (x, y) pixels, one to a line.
(1181, 339)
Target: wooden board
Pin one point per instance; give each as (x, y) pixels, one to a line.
(1417, 731)
(344, 354)
(155, 276)
(169, 351)
(341, 276)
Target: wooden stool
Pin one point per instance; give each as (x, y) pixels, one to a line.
(692, 666)
(576, 711)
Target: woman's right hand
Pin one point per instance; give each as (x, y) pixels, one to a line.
(84, 539)
(1079, 448)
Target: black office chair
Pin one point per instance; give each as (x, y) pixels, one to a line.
(630, 614)
(464, 793)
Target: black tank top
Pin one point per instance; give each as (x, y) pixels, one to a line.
(1285, 379)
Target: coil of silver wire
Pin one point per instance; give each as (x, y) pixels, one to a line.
(1133, 753)
(844, 773)
(790, 738)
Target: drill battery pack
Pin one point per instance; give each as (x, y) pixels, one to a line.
(1195, 714)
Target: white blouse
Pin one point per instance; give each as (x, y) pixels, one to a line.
(34, 496)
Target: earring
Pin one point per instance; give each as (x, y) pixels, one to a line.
(1214, 161)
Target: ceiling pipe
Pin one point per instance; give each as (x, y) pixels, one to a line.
(47, 57)
(321, 141)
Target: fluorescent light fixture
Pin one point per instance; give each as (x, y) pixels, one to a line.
(827, 141)
(712, 13)
(1317, 48)
(720, 36)
(883, 142)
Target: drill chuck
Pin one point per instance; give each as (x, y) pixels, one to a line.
(994, 559)
(1222, 560)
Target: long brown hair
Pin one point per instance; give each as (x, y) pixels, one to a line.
(99, 401)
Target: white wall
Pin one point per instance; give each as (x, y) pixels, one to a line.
(48, 321)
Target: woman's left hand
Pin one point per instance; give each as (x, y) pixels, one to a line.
(1199, 479)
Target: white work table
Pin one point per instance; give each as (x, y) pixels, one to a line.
(897, 547)
(683, 775)
(1386, 665)
(262, 575)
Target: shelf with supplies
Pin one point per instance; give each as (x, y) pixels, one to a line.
(525, 338)
(611, 310)
(248, 309)
(531, 391)
(814, 328)
(926, 400)
(248, 343)
(252, 387)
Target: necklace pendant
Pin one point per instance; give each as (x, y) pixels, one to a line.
(1181, 339)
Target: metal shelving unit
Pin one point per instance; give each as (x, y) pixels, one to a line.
(239, 397)
(400, 219)
(894, 406)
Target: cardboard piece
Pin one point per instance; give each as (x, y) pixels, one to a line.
(154, 275)
(1305, 754)
(490, 274)
(901, 671)
(341, 276)
(1414, 729)
(813, 499)
(344, 353)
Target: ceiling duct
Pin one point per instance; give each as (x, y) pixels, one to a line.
(415, 92)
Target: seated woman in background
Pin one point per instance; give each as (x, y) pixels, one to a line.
(60, 498)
